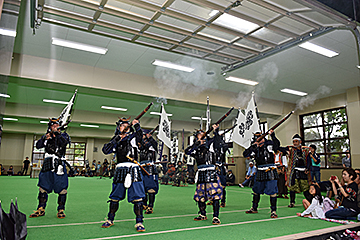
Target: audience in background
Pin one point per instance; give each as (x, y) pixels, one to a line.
(98, 167)
(105, 171)
(346, 161)
(230, 178)
(2, 170)
(250, 175)
(26, 164)
(314, 160)
(10, 172)
(164, 164)
(169, 174)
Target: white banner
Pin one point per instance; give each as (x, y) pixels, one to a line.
(66, 112)
(247, 125)
(164, 128)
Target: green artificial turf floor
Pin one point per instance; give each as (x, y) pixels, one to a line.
(173, 214)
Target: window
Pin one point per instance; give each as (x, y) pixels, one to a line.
(75, 154)
(328, 131)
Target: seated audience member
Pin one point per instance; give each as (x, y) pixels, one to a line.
(347, 195)
(2, 170)
(316, 208)
(76, 171)
(10, 171)
(230, 178)
(83, 172)
(169, 174)
(250, 175)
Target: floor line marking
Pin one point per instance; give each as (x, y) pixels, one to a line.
(128, 220)
(192, 228)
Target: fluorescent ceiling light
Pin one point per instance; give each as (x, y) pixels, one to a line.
(358, 66)
(54, 101)
(318, 49)
(157, 113)
(213, 13)
(235, 23)
(90, 126)
(7, 32)
(46, 122)
(114, 108)
(4, 95)
(286, 90)
(79, 46)
(198, 118)
(241, 80)
(172, 66)
(10, 119)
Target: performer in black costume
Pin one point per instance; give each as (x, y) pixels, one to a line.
(266, 175)
(53, 175)
(220, 153)
(127, 174)
(208, 182)
(147, 148)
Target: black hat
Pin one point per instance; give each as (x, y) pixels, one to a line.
(122, 121)
(53, 121)
(296, 137)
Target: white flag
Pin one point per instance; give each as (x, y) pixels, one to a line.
(247, 125)
(239, 131)
(252, 120)
(164, 128)
(66, 112)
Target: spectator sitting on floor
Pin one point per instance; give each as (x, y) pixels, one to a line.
(316, 208)
(347, 194)
(76, 171)
(2, 170)
(10, 172)
(230, 178)
(250, 175)
(169, 174)
(83, 172)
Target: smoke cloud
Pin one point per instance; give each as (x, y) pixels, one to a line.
(267, 75)
(178, 82)
(158, 101)
(310, 99)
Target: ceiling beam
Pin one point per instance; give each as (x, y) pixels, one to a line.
(141, 19)
(286, 13)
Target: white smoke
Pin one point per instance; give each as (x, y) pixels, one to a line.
(158, 101)
(175, 82)
(310, 99)
(241, 100)
(267, 75)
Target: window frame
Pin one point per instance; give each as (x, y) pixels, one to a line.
(325, 154)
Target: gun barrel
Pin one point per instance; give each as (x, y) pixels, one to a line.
(144, 111)
(221, 119)
(152, 131)
(275, 126)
